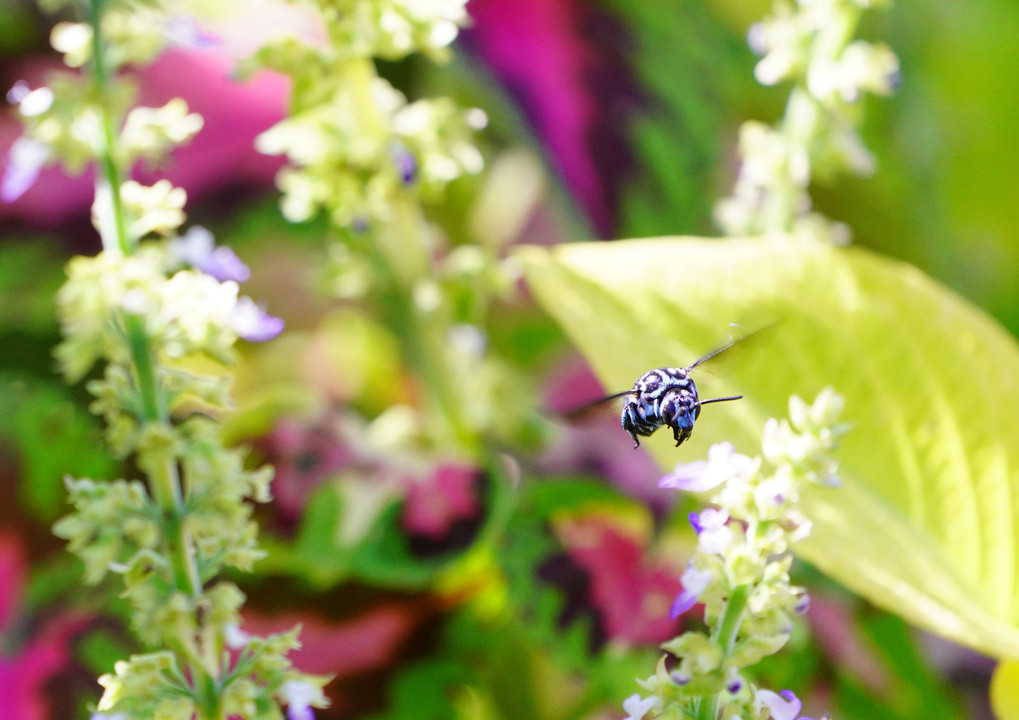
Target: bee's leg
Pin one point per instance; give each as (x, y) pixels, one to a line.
(629, 423)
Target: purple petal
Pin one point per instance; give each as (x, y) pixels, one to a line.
(185, 32)
(223, 264)
(193, 247)
(198, 249)
(269, 327)
(723, 462)
(680, 678)
(24, 163)
(30, 102)
(18, 92)
(782, 707)
(406, 166)
(683, 602)
(802, 605)
(253, 323)
(299, 695)
(686, 477)
(695, 521)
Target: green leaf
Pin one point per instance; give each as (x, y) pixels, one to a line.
(909, 685)
(925, 524)
(53, 437)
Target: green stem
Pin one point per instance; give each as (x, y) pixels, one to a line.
(109, 172)
(728, 627)
(725, 636)
(209, 699)
(153, 407)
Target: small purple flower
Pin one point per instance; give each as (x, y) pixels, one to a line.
(299, 696)
(24, 163)
(406, 164)
(733, 681)
(782, 706)
(253, 323)
(686, 476)
(197, 248)
(802, 604)
(223, 264)
(695, 581)
(723, 462)
(184, 31)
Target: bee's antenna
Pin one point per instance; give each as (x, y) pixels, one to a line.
(721, 399)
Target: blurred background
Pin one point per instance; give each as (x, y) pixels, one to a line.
(442, 597)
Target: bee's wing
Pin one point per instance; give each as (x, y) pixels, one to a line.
(735, 341)
(587, 409)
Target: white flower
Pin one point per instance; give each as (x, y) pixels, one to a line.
(74, 40)
(712, 534)
(30, 102)
(637, 707)
(235, 638)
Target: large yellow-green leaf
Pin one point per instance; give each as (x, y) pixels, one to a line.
(1005, 690)
(926, 521)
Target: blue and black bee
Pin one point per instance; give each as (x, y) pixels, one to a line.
(663, 396)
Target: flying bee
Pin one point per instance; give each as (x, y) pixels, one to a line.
(663, 396)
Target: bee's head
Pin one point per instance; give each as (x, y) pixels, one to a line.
(680, 410)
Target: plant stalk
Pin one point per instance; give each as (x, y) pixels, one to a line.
(725, 636)
(164, 477)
